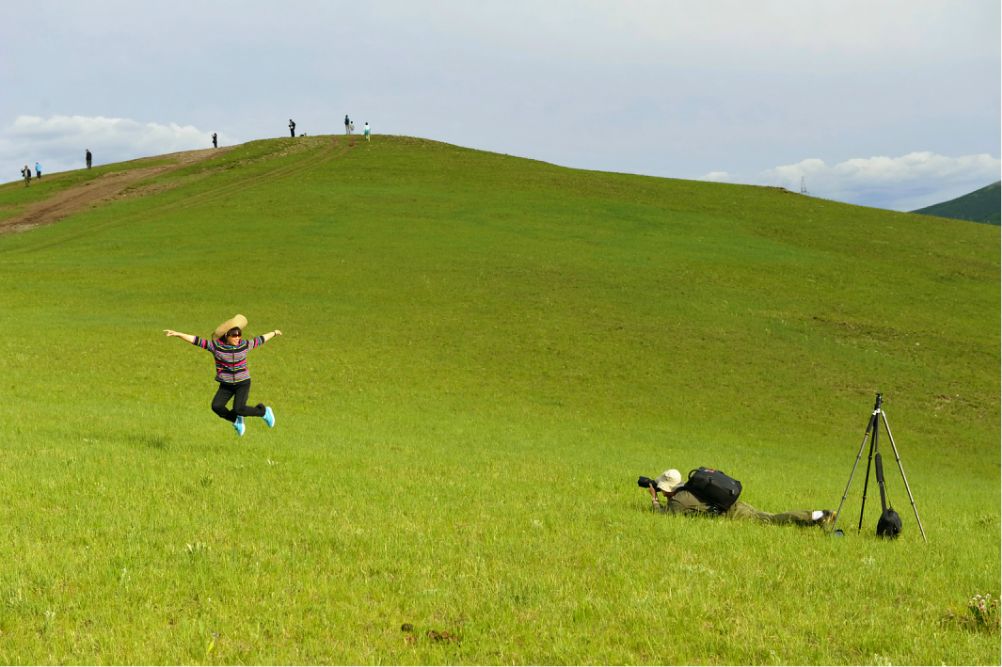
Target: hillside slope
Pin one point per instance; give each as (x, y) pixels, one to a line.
(983, 205)
(54, 198)
(481, 353)
(664, 258)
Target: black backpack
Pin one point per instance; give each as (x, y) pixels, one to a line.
(713, 487)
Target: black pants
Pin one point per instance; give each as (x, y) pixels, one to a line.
(239, 393)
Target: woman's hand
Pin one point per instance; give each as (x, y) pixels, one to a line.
(170, 333)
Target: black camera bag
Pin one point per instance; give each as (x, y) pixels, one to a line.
(889, 523)
(713, 487)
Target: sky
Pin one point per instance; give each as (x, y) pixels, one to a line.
(886, 103)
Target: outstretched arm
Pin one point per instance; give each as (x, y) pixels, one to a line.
(271, 334)
(171, 333)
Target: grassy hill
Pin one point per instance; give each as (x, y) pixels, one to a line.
(481, 354)
(984, 205)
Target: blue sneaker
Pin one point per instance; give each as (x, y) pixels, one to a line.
(238, 426)
(269, 417)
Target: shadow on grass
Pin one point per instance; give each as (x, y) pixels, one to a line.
(151, 440)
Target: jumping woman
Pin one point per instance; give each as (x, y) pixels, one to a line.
(230, 351)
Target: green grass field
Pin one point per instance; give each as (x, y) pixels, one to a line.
(481, 354)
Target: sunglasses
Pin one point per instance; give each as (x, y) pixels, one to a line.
(233, 335)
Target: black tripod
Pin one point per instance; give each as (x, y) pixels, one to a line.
(872, 430)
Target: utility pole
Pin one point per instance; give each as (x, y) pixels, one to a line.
(803, 185)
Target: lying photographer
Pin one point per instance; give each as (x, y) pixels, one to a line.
(709, 491)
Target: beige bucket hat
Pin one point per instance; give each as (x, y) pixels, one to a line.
(669, 480)
(238, 321)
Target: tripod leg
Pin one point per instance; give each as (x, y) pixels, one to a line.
(859, 455)
(897, 458)
(869, 460)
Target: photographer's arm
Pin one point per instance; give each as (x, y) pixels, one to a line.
(654, 497)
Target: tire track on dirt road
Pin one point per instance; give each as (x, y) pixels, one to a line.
(330, 151)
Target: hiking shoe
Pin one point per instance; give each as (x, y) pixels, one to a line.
(238, 425)
(827, 519)
(269, 417)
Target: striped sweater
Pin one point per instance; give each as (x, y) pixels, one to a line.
(231, 360)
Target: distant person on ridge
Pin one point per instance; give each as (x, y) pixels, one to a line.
(230, 350)
(38, 170)
(89, 158)
(365, 130)
(26, 175)
(681, 500)
(215, 143)
(292, 127)
(347, 125)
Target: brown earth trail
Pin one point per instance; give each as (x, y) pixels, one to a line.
(103, 188)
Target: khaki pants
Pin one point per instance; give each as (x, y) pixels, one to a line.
(740, 510)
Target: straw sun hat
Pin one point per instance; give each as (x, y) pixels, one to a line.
(238, 321)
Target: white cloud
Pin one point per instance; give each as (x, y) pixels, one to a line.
(902, 183)
(717, 177)
(59, 142)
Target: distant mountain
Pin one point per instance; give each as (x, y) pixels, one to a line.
(982, 205)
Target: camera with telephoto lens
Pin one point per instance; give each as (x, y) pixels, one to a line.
(645, 482)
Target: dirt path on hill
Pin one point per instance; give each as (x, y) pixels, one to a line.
(99, 190)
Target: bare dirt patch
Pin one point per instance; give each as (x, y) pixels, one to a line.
(104, 188)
